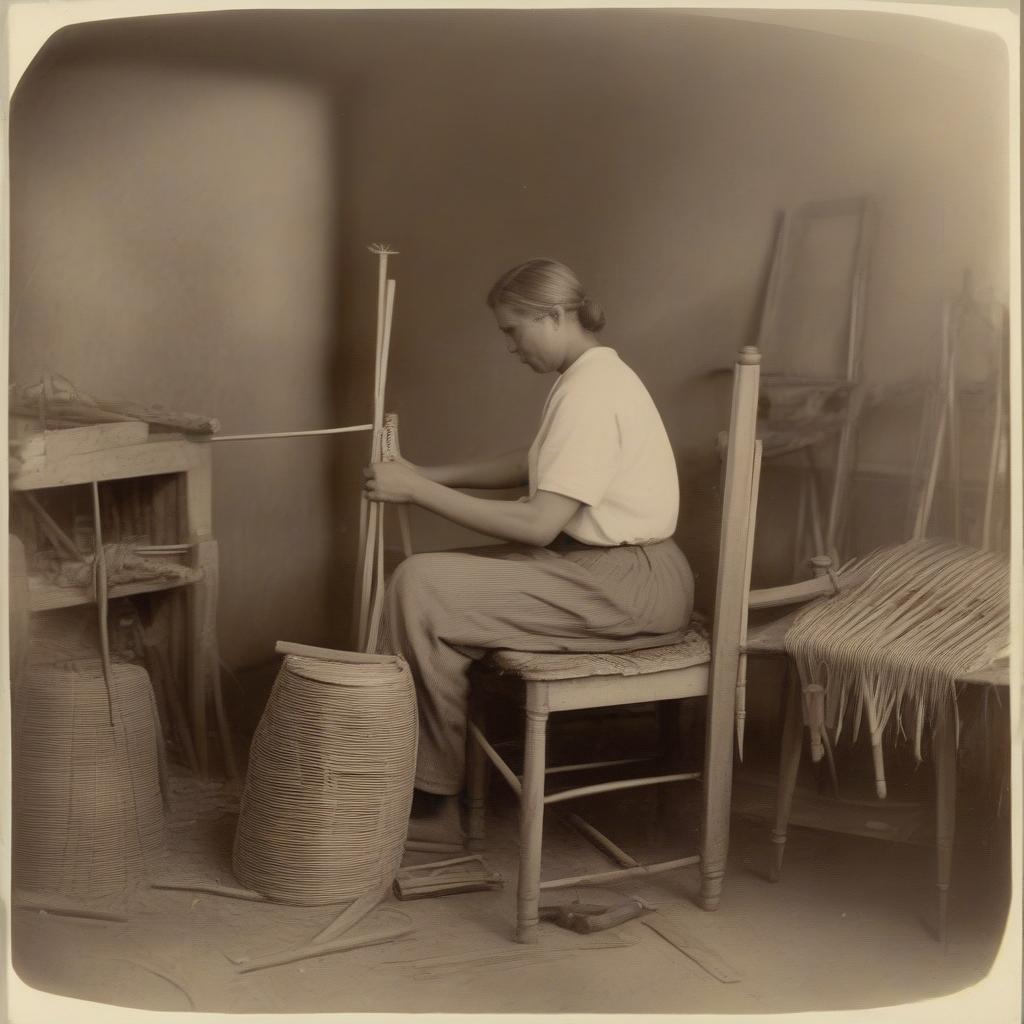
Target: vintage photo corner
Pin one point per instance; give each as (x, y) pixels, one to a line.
(512, 511)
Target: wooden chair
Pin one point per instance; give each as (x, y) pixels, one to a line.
(561, 682)
(963, 318)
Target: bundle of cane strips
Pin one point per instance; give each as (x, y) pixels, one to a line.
(383, 447)
(927, 613)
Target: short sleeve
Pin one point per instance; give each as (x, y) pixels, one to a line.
(579, 453)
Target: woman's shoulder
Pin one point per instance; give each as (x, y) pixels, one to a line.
(604, 366)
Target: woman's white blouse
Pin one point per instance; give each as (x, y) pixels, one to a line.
(602, 442)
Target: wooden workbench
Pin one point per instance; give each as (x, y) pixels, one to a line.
(160, 455)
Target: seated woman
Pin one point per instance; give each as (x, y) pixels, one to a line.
(593, 565)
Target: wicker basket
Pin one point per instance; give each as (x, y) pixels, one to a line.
(326, 803)
(87, 810)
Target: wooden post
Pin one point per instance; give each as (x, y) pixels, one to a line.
(875, 728)
(814, 502)
(531, 815)
(741, 672)
(477, 774)
(944, 753)
(100, 576)
(924, 508)
(953, 417)
(998, 433)
(789, 767)
(846, 456)
(203, 646)
(202, 598)
(725, 646)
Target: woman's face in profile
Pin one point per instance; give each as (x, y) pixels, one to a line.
(529, 336)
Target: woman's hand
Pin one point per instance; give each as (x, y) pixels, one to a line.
(395, 482)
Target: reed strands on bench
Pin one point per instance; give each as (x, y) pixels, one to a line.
(326, 803)
(88, 818)
(927, 613)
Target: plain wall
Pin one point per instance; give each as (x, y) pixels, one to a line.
(652, 153)
(192, 198)
(171, 239)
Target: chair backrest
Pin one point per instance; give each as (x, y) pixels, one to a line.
(732, 586)
(739, 497)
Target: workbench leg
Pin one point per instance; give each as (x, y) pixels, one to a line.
(531, 823)
(203, 644)
(789, 765)
(477, 765)
(198, 504)
(944, 751)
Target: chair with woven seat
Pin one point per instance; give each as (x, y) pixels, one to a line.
(966, 320)
(692, 668)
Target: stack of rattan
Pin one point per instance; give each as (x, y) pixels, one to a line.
(326, 803)
(88, 815)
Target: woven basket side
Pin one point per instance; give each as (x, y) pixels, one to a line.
(87, 809)
(326, 802)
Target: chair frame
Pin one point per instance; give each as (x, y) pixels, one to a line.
(715, 677)
(937, 435)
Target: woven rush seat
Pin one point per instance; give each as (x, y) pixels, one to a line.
(541, 666)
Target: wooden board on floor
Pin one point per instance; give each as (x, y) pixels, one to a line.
(674, 933)
(897, 821)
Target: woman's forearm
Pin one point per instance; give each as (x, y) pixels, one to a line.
(500, 471)
(536, 522)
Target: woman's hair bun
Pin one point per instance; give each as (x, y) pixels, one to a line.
(541, 284)
(591, 316)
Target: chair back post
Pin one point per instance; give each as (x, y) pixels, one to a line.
(730, 612)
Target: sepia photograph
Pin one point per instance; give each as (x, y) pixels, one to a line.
(511, 510)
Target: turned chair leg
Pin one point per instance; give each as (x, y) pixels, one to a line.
(789, 764)
(945, 809)
(531, 825)
(477, 765)
(669, 740)
(717, 804)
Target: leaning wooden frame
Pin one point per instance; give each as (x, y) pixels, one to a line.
(692, 668)
(807, 406)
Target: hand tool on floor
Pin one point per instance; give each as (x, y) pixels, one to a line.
(586, 918)
(445, 878)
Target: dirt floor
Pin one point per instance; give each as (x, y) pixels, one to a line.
(822, 938)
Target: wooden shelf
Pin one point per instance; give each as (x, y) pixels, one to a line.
(44, 597)
(87, 458)
(171, 453)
